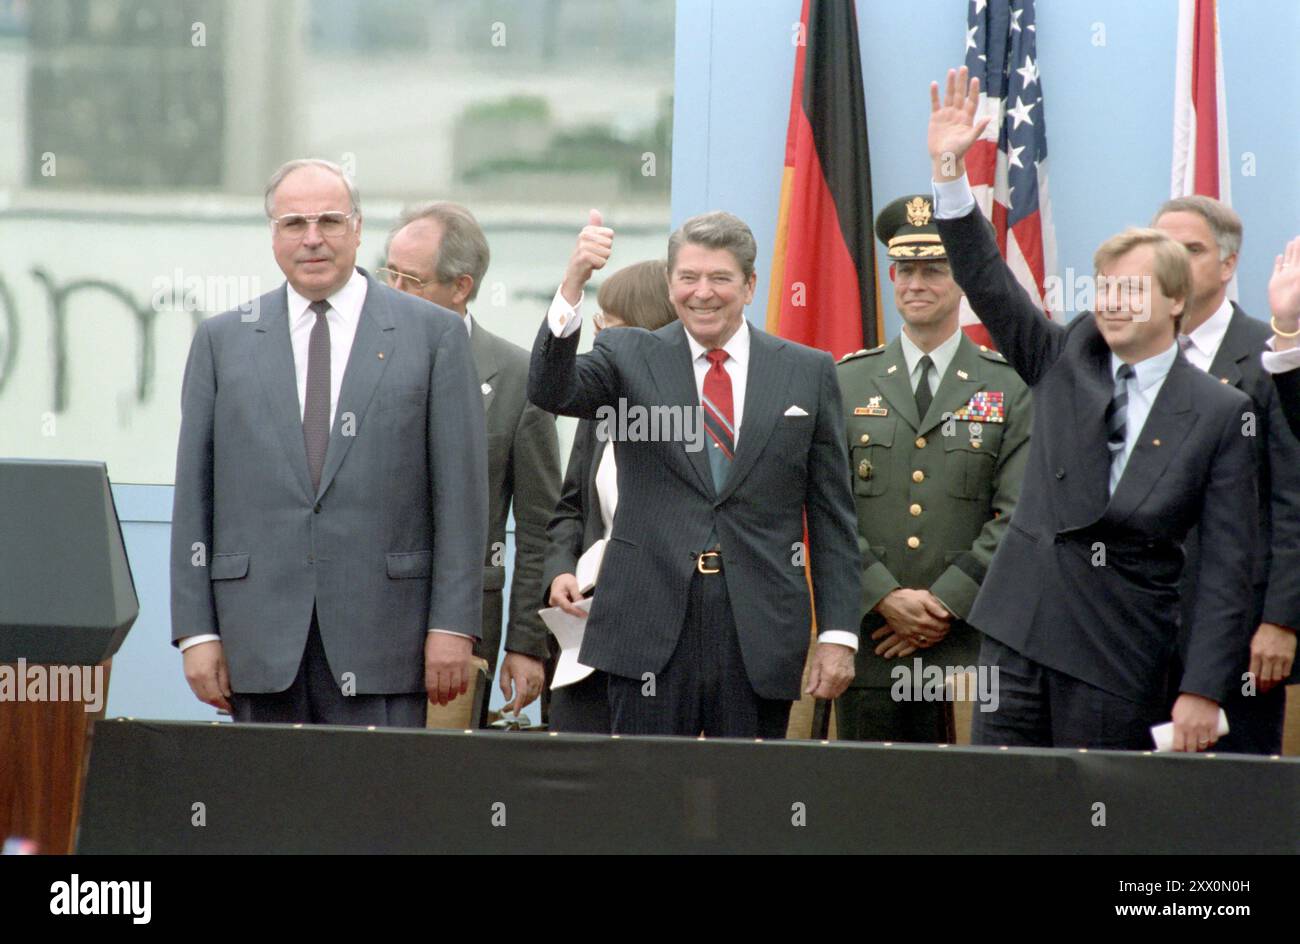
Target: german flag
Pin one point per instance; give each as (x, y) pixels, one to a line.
(824, 291)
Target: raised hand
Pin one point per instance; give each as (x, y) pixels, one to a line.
(595, 243)
(953, 127)
(1284, 289)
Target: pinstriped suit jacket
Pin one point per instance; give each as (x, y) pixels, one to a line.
(667, 507)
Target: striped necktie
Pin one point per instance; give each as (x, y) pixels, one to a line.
(718, 422)
(1117, 415)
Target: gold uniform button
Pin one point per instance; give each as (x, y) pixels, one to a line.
(913, 542)
(975, 444)
(866, 438)
(920, 442)
(915, 510)
(918, 476)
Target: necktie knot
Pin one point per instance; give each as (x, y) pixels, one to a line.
(1184, 342)
(716, 356)
(320, 307)
(1124, 373)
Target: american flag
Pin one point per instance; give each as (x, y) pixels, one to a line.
(1007, 167)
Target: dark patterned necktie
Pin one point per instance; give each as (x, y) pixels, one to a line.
(316, 403)
(1117, 413)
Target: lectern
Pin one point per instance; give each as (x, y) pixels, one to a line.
(67, 601)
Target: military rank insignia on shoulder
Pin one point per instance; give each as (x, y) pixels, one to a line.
(991, 355)
(854, 355)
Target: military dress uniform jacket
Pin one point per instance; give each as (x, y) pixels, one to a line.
(933, 494)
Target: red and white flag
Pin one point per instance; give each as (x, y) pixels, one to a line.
(1200, 110)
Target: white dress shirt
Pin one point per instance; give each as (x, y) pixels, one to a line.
(343, 317)
(1279, 362)
(1143, 387)
(1201, 346)
(607, 488)
(941, 357)
(565, 319)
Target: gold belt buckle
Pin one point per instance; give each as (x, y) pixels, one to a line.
(699, 562)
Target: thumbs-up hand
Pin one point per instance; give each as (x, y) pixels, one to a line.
(595, 243)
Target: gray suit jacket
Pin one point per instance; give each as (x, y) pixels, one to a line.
(523, 468)
(787, 463)
(390, 545)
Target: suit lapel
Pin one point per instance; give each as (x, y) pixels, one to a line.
(1094, 390)
(372, 349)
(670, 363)
(892, 380)
(954, 390)
(1235, 347)
(279, 377)
(1167, 425)
(485, 362)
(763, 403)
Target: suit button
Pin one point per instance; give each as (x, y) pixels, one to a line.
(316, 510)
(1060, 473)
(915, 510)
(913, 542)
(920, 442)
(866, 438)
(918, 476)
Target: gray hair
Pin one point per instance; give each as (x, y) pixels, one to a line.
(463, 249)
(716, 230)
(1223, 220)
(288, 167)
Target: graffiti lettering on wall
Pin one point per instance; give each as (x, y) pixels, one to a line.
(59, 296)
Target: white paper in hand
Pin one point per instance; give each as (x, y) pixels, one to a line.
(568, 630)
(1163, 734)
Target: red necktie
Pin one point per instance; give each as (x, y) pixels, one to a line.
(718, 417)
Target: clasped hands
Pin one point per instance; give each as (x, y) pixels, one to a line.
(914, 619)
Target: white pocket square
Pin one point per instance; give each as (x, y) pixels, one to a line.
(796, 411)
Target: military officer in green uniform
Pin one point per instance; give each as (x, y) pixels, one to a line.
(938, 431)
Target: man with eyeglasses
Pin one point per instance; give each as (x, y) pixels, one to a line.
(437, 251)
(938, 433)
(330, 506)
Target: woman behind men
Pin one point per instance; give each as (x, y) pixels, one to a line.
(634, 297)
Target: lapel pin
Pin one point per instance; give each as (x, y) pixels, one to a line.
(381, 355)
(892, 368)
(1223, 380)
(1155, 442)
(487, 388)
(963, 375)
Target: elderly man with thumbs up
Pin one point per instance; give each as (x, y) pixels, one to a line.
(703, 620)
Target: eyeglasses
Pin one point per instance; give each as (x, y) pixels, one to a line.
(294, 225)
(395, 278)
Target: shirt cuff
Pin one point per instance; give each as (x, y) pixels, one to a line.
(563, 317)
(188, 641)
(952, 198)
(840, 637)
(1279, 362)
(452, 632)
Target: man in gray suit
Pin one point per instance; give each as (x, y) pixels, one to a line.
(330, 506)
(438, 252)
